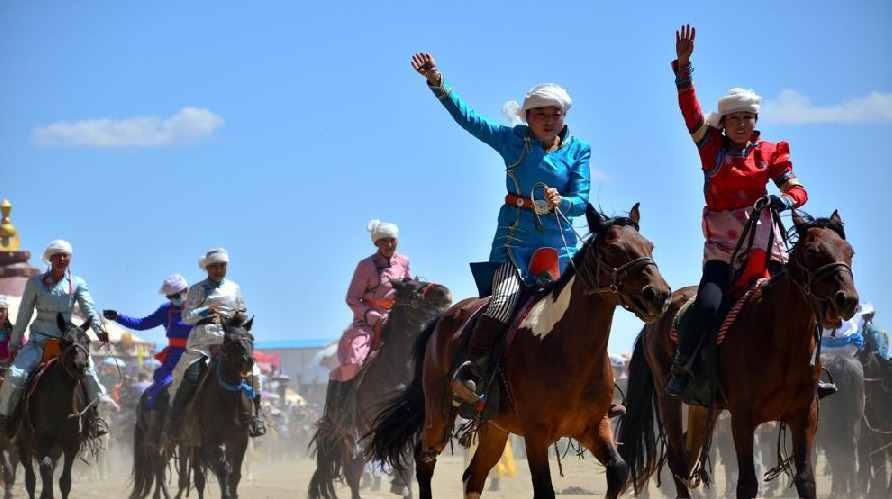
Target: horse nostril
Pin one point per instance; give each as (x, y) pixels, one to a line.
(651, 294)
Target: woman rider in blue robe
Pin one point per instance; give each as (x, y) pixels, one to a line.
(547, 176)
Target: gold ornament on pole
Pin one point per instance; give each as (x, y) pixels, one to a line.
(9, 237)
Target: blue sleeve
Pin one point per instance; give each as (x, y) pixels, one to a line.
(141, 324)
(486, 130)
(575, 200)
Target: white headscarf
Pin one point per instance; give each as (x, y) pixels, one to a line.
(56, 247)
(216, 255)
(4, 301)
(738, 99)
(174, 284)
(380, 230)
(544, 95)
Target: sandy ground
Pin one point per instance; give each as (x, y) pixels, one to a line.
(288, 479)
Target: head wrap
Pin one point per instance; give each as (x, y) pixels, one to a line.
(380, 230)
(174, 284)
(56, 247)
(544, 95)
(216, 255)
(4, 301)
(738, 99)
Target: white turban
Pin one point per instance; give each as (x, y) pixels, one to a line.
(216, 255)
(380, 230)
(738, 99)
(56, 247)
(4, 301)
(544, 95)
(174, 284)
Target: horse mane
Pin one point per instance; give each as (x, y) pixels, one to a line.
(557, 286)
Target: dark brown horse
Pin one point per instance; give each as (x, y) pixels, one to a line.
(556, 370)
(767, 366)
(348, 416)
(875, 446)
(50, 426)
(218, 437)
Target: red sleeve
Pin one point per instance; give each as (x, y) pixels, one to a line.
(780, 168)
(707, 139)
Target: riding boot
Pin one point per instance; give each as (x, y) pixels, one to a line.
(826, 389)
(680, 373)
(184, 394)
(474, 372)
(257, 427)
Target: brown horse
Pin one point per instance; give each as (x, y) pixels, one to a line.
(767, 366)
(557, 376)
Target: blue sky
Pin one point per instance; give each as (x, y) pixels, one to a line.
(279, 130)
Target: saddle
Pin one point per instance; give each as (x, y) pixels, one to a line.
(704, 388)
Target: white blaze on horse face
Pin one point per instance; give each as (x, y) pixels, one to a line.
(548, 311)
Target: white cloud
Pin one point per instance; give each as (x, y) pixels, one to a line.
(189, 124)
(793, 108)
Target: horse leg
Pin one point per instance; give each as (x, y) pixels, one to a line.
(537, 459)
(599, 441)
(213, 455)
(353, 468)
(434, 437)
(492, 444)
(235, 456)
(742, 429)
(65, 478)
(701, 425)
(47, 465)
(198, 471)
(8, 474)
(803, 429)
(28, 464)
(670, 411)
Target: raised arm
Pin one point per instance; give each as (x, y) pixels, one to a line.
(706, 137)
(194, 308)
(88, 308)
(492, 133)
(361, 276)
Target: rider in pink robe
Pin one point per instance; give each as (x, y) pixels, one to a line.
(370, 296)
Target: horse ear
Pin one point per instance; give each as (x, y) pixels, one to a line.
(60, 321)
(635, 214)
(249, 324)
(86, 325)
(595, 220)
(399, 284)
(835, 218)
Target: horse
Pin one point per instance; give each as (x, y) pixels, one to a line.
(875, 446)
(555, 370)
(768, 368)
(215, 435)
(840, 429)
(349, 417)
(52, 412)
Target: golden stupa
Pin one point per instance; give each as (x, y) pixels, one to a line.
(9, 237)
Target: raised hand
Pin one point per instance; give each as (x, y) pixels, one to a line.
(424, 63)
(684, 43)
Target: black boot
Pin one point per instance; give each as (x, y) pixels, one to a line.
(680, 374)
(826, 389)
(187, 390)
(474, 372)
(257, 427)
(95, 425)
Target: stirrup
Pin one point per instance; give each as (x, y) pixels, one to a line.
(256, 428)
(464, 387)
(826, 389)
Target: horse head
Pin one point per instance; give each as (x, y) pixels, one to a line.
(420, 301)
(618, 261)
(75, 347)
(821, 265)
(238, 345)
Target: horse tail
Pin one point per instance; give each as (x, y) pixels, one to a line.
(330, 445)
(396, 428)
(143, 475)
(636, 431)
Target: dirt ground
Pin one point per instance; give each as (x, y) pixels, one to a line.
(287, 479)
